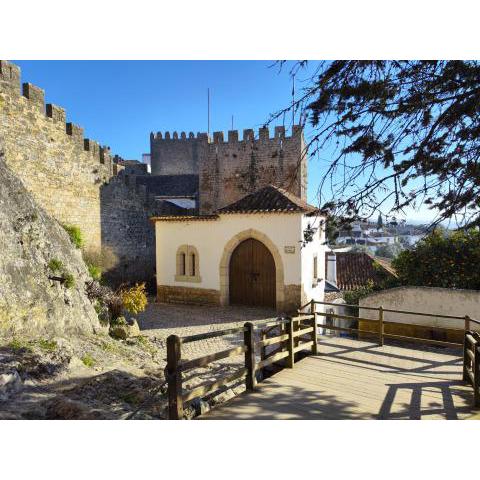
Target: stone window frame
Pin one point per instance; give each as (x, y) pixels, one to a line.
(186, 270)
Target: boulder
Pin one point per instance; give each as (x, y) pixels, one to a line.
(37, 255)
(133, 328)
(10, 383)
(62, 408)
(121, 330)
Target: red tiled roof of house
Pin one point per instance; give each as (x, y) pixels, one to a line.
(269, 199)
(356, 269)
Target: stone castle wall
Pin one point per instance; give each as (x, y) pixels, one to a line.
(230, 169)
(126, 228)
(73, 178)
(62, 169)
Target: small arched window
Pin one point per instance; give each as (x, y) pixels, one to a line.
(187, 264)
(192, 264)
(183, 264)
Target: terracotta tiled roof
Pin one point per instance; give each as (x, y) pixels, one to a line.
(269, 199)
(183, 218)
(356, 269)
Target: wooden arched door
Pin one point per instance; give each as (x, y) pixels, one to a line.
(252, 275)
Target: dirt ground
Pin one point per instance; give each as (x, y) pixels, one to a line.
(99, 377)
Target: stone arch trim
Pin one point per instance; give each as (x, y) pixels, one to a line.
(225, 264)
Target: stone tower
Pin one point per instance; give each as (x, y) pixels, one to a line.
(228, 170)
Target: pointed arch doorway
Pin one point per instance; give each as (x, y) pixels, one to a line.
(252, 275)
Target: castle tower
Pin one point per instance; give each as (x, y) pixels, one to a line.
(177, 155)
(228, 170)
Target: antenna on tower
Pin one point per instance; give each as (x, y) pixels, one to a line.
(293, 100)
(208, 112)
(232, 122)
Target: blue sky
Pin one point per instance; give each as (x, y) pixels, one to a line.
(119, 103)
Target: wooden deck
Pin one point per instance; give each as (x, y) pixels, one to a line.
(352, 379)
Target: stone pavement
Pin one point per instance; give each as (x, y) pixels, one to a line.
(161, 320)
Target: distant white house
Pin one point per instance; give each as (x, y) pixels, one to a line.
(372, 237)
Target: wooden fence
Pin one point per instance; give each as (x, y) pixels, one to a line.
(471, 339)
(379, 332)
(290, 340)
(471, 363)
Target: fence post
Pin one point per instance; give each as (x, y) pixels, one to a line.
(174, 378)
(467, 323)
(465, 377)
(380, 326)
(263, 350)
(476, 377)
(314, 333)
(291, 344)
(249, 339)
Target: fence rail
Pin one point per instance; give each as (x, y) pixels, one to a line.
(470, 343)
(291, 340)
(380, 330)
(471, 363)
(290, 336)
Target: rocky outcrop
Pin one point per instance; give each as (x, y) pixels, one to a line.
(42, 276)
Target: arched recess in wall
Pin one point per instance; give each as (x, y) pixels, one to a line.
(225, 262)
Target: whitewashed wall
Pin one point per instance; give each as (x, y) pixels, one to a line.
(210, 238)
(442, 301)
(315, 247)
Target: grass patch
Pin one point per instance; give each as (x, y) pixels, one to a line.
(131, 398)
(145, 344)
(95, 272)
(55, 265)
(47, 345)
(75, 235)
(109, 347)
(88, 360)
(68, 280)
(17, 345)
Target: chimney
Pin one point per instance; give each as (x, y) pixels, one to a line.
(331, 267)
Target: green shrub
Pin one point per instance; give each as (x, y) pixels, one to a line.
(17, 344)
(48, 345)
(442, 259)
(75, 235)
(88, 360)
(55, 265)
(134, 299)
(119, 321)
(68, 280)
(95, 272)
(352, 297)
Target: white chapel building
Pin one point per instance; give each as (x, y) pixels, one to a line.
(266, 249)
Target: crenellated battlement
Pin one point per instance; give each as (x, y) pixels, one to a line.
(63, 170)
(248, 135)
(175, 136)
(10, 77)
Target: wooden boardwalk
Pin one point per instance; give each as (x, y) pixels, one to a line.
(352, 379)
